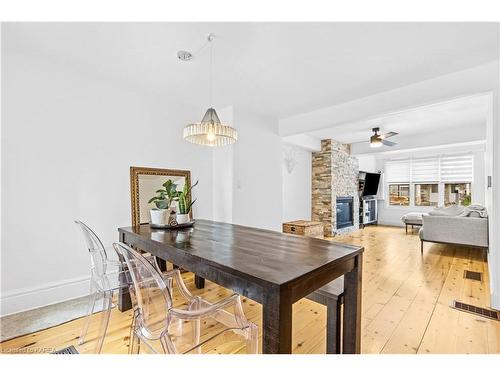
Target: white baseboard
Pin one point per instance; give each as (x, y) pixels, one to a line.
(396, 223)
(47, 294)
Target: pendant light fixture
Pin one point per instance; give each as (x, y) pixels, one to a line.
(209, 131)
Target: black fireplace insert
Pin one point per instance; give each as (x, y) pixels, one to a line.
(345, 214)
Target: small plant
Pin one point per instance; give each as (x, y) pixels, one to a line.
(164, 197)
(466, 200)
(182, 196)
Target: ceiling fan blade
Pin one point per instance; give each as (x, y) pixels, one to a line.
(388, 143)
(387, 135)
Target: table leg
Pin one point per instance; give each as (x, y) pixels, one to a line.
(124, 301)
(277, 323)
(162, 264)
(333, 319)
(199, 282)
(352, 309)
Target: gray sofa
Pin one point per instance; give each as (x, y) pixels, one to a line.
(451, 225)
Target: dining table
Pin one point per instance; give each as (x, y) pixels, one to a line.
(272, 268)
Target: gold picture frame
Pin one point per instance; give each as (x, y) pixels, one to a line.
(139, 195)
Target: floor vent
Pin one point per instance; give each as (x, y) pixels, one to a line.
(472, 275)
(485, 313)
(69, 350)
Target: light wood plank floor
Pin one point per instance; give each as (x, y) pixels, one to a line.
(405, 308)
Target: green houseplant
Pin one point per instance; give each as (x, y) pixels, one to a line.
(183, 204)
(163, 202)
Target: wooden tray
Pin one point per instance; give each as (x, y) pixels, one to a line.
(167, 226)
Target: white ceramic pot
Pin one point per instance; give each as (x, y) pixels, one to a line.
(159, 216)
(182, 219)
(158, 235)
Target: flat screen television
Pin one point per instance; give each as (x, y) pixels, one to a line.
(371, 184)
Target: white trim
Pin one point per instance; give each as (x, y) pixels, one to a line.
(495, 300)
(46, 294)
(430, 148)
(391, 223)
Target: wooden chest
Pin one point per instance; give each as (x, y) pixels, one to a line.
(304, 228)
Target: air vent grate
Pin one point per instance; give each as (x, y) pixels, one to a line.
(485, 313)
(69, 350)
(472, 275)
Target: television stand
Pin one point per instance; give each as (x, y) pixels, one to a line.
(368, 211)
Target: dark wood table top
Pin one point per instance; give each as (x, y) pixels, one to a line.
(263, 255)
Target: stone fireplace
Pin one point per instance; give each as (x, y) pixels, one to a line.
(335, 199)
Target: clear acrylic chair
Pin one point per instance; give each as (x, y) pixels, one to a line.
(107, 278)
(200, 326)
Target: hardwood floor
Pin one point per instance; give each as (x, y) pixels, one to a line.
(406, 300)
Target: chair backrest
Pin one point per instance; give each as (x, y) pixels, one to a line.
(97, 252)
(152, 298)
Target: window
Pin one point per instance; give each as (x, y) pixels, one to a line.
(430, 181)
(398, 176)
(458, 193)
(399, 194)
(456, 173)
(426, 194)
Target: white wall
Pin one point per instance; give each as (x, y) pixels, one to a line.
(367, 163)
(492, 168)
(257, 189)
(223, 175)
(297, 184)
(67, 144)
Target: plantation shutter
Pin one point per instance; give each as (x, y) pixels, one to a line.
(458, 168)
(397, 171)
(425, 170)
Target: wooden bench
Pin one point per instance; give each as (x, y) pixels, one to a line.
(331, 296)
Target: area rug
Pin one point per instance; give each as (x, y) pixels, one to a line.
(23, 323)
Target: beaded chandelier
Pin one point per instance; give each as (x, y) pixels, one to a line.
(209, 131)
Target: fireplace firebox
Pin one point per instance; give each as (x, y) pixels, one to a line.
(345, 214)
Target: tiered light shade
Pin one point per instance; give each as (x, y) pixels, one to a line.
(210, 131)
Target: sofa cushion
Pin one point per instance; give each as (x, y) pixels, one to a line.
(453, 210)
(413, 217)
(474, 212)
(476, 206)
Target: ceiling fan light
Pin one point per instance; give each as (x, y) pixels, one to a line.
(375, 141)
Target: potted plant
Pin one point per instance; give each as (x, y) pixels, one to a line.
(163, 199)
(183, 206)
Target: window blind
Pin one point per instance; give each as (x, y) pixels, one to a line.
(397, 171)
(449, 168)
(458, 168)
(425, 170)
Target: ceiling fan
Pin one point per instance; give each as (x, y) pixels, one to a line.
(377, 140)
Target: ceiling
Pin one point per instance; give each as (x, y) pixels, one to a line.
(277, 69)
(446, 116)
(453, 121)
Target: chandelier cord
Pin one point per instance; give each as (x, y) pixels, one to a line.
(210, 94)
